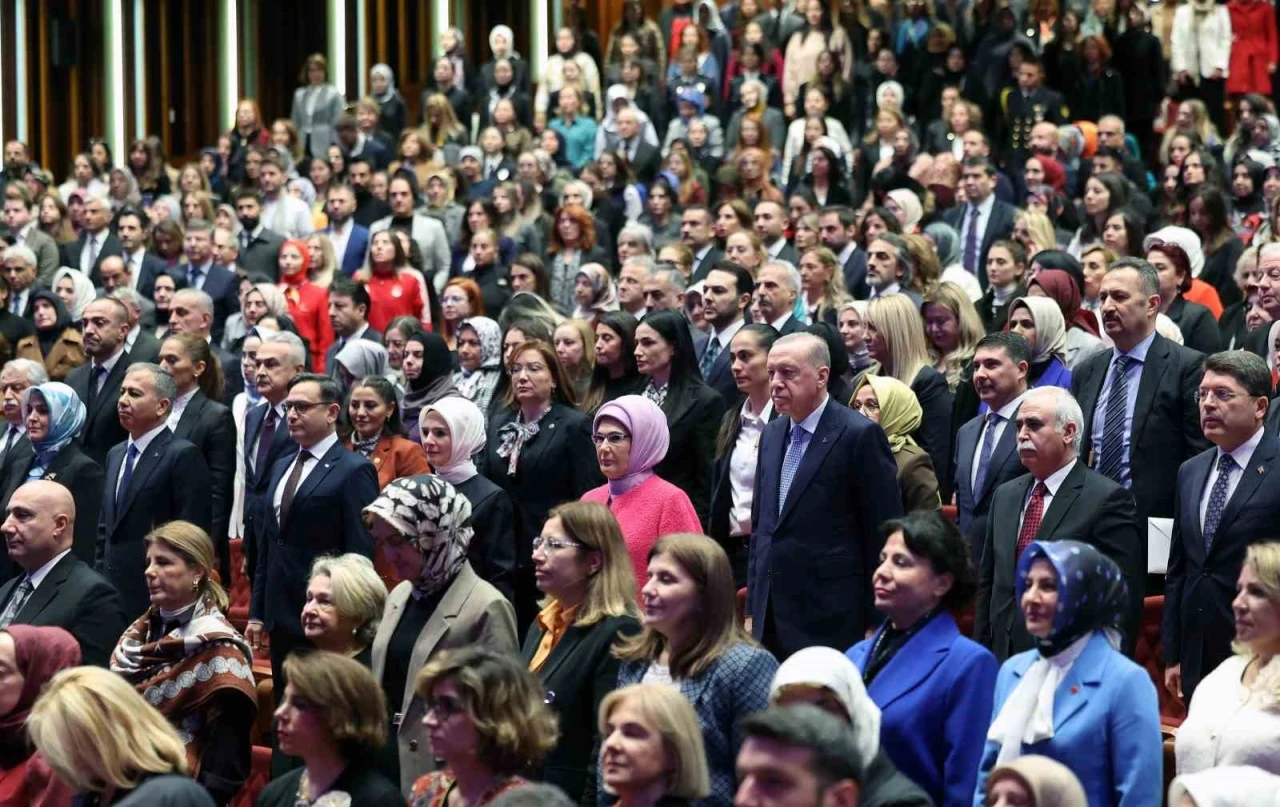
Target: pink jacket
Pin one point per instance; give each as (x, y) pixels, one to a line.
(647, 512)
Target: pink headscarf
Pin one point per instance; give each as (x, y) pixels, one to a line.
(647, 426)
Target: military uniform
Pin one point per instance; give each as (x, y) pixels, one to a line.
(1020, 115)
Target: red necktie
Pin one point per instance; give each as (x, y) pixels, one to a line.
(1031, 522)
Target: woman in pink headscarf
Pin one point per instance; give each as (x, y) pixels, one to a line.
(631, 437)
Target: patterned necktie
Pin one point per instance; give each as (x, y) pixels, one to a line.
(1112, 451)
(1031, 521)
(130, 459)
(971, 242)
(1217, 499)
(709, 357)
(265, 439)
(193, 276)
(95, 381)
(791, 463)
(984, 454)
(20, 596)
(291, 484)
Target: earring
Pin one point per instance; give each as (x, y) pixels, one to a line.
(195, 585)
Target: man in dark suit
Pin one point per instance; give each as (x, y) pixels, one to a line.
(192, 311)
(138, 268)
(96, 240)
(17, 376)
(350, 240)
(356, 143)
(20, 267)
(1156, 421)
(986, 447)
(152, 477)
(58, 589)
(697, 234)
(1228, 498)
(105, 323)
(777, 287)
(259, 246)
(825, 482)
(984, 220)
(349, 316)
(770, 223)
(725, 299)
(313, 506)
(141, 341)
(838, 232)
(215, 280)
(1059, 499)
(645, 157)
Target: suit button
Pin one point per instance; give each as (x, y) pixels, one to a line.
(413, 745)
(279, 542)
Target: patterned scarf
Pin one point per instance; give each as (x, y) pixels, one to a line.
(514, 435)
(655, 393)
(433, 516)
(365, 447)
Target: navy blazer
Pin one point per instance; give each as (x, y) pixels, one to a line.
(352, 258)
(332, 353)
(1106, 727)
(1201, 583)
(812, 558)
(326, 518)
(935, 705)
(170, 483)
(224, 287)
(256, 479)
(720, 378)
(152, 267)
(935, 433)
(972, 505)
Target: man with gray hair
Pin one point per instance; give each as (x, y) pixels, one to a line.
(192, 311)
(664, 289)
(205, 274)
(1059, 498)
(96, 240)
(105, 323)
(635, 271)
(777, 288)
(141, 341)
(151, 478)
(825, 482)
(20, 267)
(17, 377)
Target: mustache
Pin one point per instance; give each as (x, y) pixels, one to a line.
(1026, 445)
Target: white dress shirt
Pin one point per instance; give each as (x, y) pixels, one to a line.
(742, 466)
(142, 443)
(339, 235)
(1006, 414)
(984, 216)
(888, 291)
(316, 451)
(92, 248)
(37, 577)
(1051, 484)
(1242, 455)
(133, 263)
(726, 336)
(179, 406)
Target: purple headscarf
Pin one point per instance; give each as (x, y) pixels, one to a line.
(647, 426)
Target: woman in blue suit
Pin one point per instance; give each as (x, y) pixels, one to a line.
(933, 686)
(1075, 698)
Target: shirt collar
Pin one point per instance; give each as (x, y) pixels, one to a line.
(731, 330)
(1010, 409)
(984, 207)
(847, 253)
(1056, 478)
(110, 363)
(1139, 351)
(145, 440)
(181, 401)
(702, 253)
(780, 321)
(38, 576)
(810, 424)
(321, 448)
(893, 288)
(555, 618)
(751, 417)
(1244, 452)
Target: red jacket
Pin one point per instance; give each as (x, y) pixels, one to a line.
(1253, 46)
(309, 308)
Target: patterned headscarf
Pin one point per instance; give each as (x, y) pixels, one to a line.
(1092, 594)
(646, 425)
(66, 418)
(435, 518)
(470, 382)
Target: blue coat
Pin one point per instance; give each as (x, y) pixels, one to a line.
(1106, 727)
(934, 697)
(734, 686)
(352, 258)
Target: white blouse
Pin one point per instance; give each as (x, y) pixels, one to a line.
(1230, 724)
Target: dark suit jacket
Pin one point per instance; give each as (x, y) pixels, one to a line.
(326, 518)
(80, 601)
(232, 377)
(146, 348)
(648, 161)
(999, 225)
(577, 675)
(720, 378)
(261, 258)
(75, 471)
(693, 421)
(71, 251)
(972, 505)
(256, 479)
(1201, 582)
(170, 482)
(935, 434)
(224, 287)
(352, 258)
(719, 525)
(787, 253)
(812, 558)
(1199, 328)
(792, 325)
(332, 353)
(1088, 507)
(1166, 421)
(102, 428)
(702, 268)
(855, 275)
(152, 267)
(492, 550)
(209, 426)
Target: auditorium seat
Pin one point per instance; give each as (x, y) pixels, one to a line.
(951, 512)
(239, 591)
(1148, 654)
(266, 697)
(259, 775)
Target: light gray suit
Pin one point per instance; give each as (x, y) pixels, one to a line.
(47, 259)
(328, 106)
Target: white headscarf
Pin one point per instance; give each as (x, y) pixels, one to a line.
(386, 72)
(831, 669)
(1051, 331)
(85, 293)
(466, 435)
(910, 205)
(1183, 237)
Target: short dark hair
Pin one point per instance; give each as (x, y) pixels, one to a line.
(249, 193)
(345, 121)
(1148, 277)
(1109, 151)
(848, 217)
(743, 282)
(363, 160)
(933, 536)
(831, 740)
(349, 288)
(339, 186)
(1011, 343)
(1248, 369)
(330, 390)
(978, 161)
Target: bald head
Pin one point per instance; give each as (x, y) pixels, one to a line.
(39, 523)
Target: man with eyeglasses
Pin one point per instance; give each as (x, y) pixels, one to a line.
(313, 506)
(1268, 299)
(1228, 498)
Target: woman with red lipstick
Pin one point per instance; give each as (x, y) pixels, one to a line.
(378, 433)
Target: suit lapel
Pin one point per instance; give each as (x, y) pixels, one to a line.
(438, 624)
(323, 466)
(1002, 450)
(1080, 682)
(1147, 383)
(144, 467)
(1063, 501)
(47, 590)
(1089, 389)
(1191, 501)
(190, 415)
(820, 444)
(563, 649)
(1251, 479)
(548, 428)
(906, 670)
(966, 447)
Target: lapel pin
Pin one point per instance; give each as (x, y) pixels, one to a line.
(1075, 690)
(1262, 469)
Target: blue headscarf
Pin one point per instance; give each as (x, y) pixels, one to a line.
(66, 418)
(1092, 594)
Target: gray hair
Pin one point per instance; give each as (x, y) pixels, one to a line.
(166, 388)
(643, 261)
(297, 350)
(131, 299)
(33, 370)
(1065, 410)
(21, 252)
(670, 275)
(1268, 249)
(791, 272)
(358, 591)
(198, 298)
(1148, 277)
(588, 196)
(639, 231)
(816, 350)
(96, 196)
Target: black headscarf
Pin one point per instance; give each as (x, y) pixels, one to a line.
(49, 336)
(436, 379)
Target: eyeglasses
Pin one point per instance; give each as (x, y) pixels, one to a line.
(301, 407)
(556, 544)
(1220, 395)
(867, 406)
(613, 438)
(444, 708)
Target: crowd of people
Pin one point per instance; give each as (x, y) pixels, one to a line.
(807, 402)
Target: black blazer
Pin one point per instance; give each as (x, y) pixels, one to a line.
(326, 518)
(999, 225)
(75, 471)
(693, 420)
(973, 506)
(935, 434)
(71, 251)
(256, 479)
(1200, 584)
(492, 551)
(102, 428)
(366, 786)
(718, 526)
(720, 378)
(1166, 421)
(152, 267)
(224, 287)
(332, 353)
(80, 601)
(170, 482)
(209, 426)
(577, 675)
(146, 348)
(702, 268)
(1199, 329)
(1088, 507)
(261, 258)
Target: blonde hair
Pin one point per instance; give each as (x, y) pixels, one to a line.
(612, 590)
(349, 698)
(1263, 559)
(954, 299)
(718, 628)
(323, 271)
(358, 591)
(516, 728)
(195, 547)
(97, 732)
(672, 716)
(1040, 228)
(926, 267)
(895, 317)
(833, 293)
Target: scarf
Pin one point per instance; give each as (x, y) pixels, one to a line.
(435, 518)
(40, 653)
(48, 337)
(66, 418)
(900, 410)
(1051, 331)
(655, 393)
(646, 425)
(466, 437)
(514, 435)
(384, 71)
(85, 293)
(365, 447)
(471, 382)
(1059, 286)
(181, 670)
(436, 379)
(832, 670)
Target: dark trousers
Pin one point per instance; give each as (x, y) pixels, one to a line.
(1214, 94)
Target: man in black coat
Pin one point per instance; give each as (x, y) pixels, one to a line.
(697, 234)
(983, 220)
(96, 240)
(106, 324)
(259, 246)
(1060, 498)
(57, 589)
(151, 478)
(776, 289)
(726, 297)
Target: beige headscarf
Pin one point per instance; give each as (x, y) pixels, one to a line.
(1051, 783)
(1051, 330)
(829, 668)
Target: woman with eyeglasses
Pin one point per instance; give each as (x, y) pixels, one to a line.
(631, 438)
(892, 405)
(582, 567)
(422, 527)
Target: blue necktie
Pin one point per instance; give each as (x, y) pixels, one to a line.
(1112, 450)
(709, 357)
(984, 455)
(193, 277)
(131, 457)
(1217, 499)
(791, 463)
